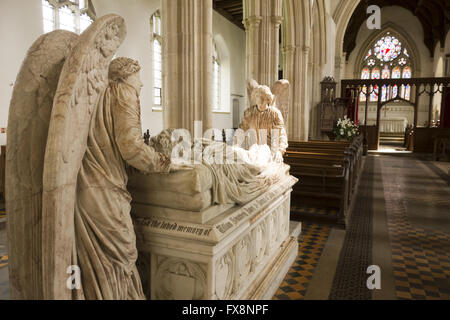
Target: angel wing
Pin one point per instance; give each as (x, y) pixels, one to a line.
(251, 85)
(28, 123)
(83, 78)
(280, 90)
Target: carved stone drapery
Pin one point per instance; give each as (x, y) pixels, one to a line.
(187, 63)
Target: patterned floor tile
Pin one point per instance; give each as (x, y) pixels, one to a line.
(313, 211)
(420, 256)
(311, 243)
(3, 261)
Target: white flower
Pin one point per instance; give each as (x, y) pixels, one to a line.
(342, 132)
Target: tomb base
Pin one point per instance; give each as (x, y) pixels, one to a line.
(243, 253)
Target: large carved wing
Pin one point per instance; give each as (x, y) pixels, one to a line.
(251, 85)
(28, 123)
(280, 90)
(83, 78)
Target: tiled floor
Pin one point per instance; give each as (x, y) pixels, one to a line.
(418, 208)
(311, 243)
(313, 211)
(4, 281)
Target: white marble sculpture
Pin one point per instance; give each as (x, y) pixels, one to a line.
(74, 131)
(267, 114)
(218, 231)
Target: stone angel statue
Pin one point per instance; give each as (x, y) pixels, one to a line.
(74, 134)
(267, 113)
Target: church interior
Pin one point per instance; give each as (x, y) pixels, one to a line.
(353, 204)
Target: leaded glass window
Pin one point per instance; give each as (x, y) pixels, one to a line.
(216, 80)
(75, 15)
(387, 59)
(157, 59)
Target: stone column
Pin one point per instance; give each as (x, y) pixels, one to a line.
(262, 20)
(187, 63)
(296, 50)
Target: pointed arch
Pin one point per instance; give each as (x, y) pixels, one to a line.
(399, 33)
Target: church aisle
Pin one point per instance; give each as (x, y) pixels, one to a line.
(310, 247)
(400, 223)
(417, 196)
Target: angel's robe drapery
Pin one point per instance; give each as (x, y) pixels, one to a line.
(269, 120)
(105, 240)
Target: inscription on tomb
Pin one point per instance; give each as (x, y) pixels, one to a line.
(172, 226)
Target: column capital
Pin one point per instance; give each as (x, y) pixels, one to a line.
(277, 20)
(306, 49)
(289, 49)
(253, 21)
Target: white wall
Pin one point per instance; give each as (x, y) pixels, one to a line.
(411, 25)
(137, 46)
(20, 26)
(232, 37)
(328, 69)
(231, 45)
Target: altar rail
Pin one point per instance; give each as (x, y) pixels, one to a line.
(351, 90)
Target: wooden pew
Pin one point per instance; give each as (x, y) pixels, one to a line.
(328, 172)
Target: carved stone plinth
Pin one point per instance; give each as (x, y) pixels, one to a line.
(244, 253)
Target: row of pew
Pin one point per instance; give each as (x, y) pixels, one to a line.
(328, 172)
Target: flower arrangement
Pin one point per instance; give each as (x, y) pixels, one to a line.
(345, 129)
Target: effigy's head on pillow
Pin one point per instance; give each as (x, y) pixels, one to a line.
(263, 97)
(127, 71)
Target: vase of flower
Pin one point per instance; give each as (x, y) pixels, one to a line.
(345, 129)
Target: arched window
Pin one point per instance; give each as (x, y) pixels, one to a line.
(157, 59)
(71, 15)
(216, 81)
(375, 75)
(365, 75)
(387, 59)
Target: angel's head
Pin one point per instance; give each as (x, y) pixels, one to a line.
(126, 70)
(263, 97)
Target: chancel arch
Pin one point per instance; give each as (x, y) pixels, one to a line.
(388, 54)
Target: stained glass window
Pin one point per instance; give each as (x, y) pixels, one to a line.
(363, 94)
(374, 94)
(387, 59)
(376, 73)
(406, 73)
(387, 48)
(365, 73)
(384, 93)
(386, 74)
(75, 16)
(394, 91)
